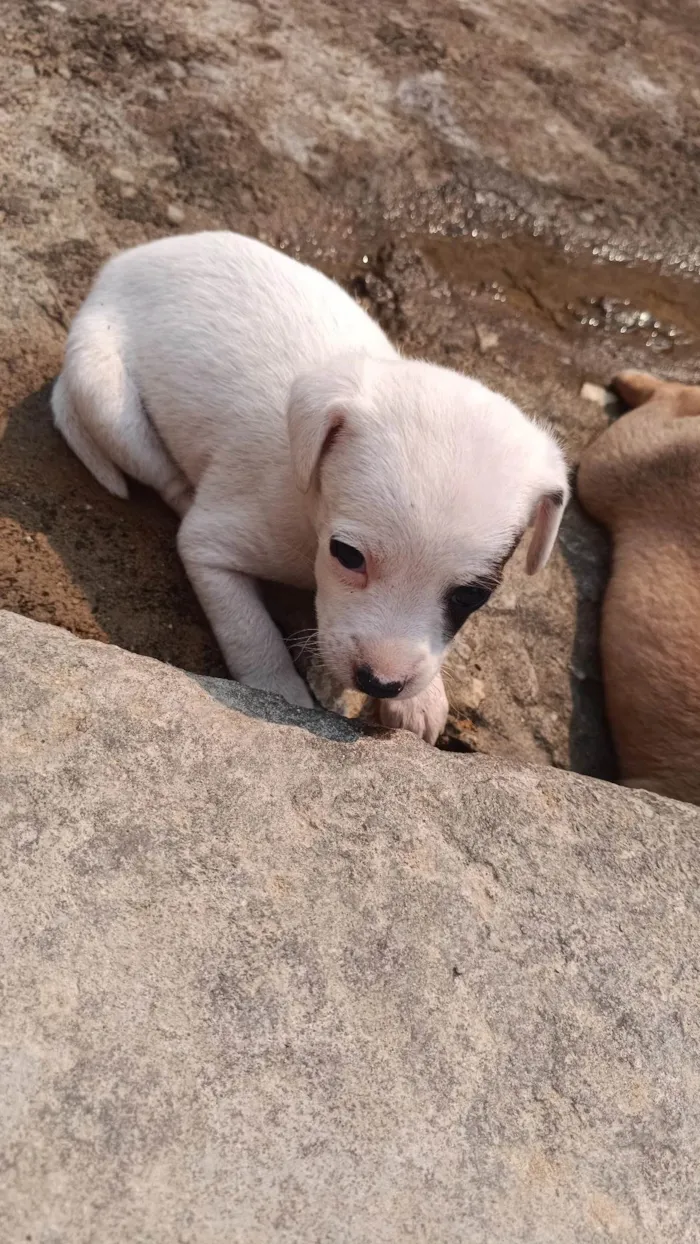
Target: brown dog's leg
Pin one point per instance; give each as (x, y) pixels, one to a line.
(665, 397)
(641, 783)
(637, 387)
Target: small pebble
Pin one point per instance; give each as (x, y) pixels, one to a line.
(212, 73)
(175, 214)
(507, 601)
(478, 692)
(128, 192)
(601, 396)
(64, 72)
(122, 174)
(471, 696)
(487, 339)
(176, 70)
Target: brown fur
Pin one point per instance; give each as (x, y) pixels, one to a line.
(641, 479)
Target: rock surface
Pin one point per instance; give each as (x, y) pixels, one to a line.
(261, 984)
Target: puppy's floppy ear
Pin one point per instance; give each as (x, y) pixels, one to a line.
(311, 434)
(317, 411)
(547, 514)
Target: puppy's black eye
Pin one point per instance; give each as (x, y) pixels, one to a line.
(348, 557)
(465, 600)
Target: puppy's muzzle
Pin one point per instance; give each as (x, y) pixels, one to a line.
(367, 681)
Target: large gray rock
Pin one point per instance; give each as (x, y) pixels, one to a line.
(260, 984)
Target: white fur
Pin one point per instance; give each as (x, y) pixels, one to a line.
(273, 414)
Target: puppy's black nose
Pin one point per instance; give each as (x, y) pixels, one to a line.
(367, 681)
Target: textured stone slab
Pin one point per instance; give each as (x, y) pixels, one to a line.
(259, 984)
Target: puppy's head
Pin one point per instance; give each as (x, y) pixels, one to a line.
(421, 482)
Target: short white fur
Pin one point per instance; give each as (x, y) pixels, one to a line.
(274, 415)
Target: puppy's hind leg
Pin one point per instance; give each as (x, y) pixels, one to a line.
(69, 424)
(97, 407)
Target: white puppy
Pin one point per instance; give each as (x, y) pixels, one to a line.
(279, 422)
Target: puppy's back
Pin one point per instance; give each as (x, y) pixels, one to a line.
(215, 298)
(212, 329)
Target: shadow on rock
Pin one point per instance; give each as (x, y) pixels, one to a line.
(274, 709)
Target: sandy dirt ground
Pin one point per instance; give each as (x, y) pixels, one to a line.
(512, 189)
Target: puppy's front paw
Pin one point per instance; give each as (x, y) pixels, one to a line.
(424, 714)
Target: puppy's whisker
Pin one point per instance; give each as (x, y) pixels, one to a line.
(305, 644)
(449, 678)
(306, 652)
(453, 683)
(295, 551)
(303, 640)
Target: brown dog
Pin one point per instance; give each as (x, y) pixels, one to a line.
(641, 480)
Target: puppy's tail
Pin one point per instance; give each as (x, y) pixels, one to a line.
(66, 417)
